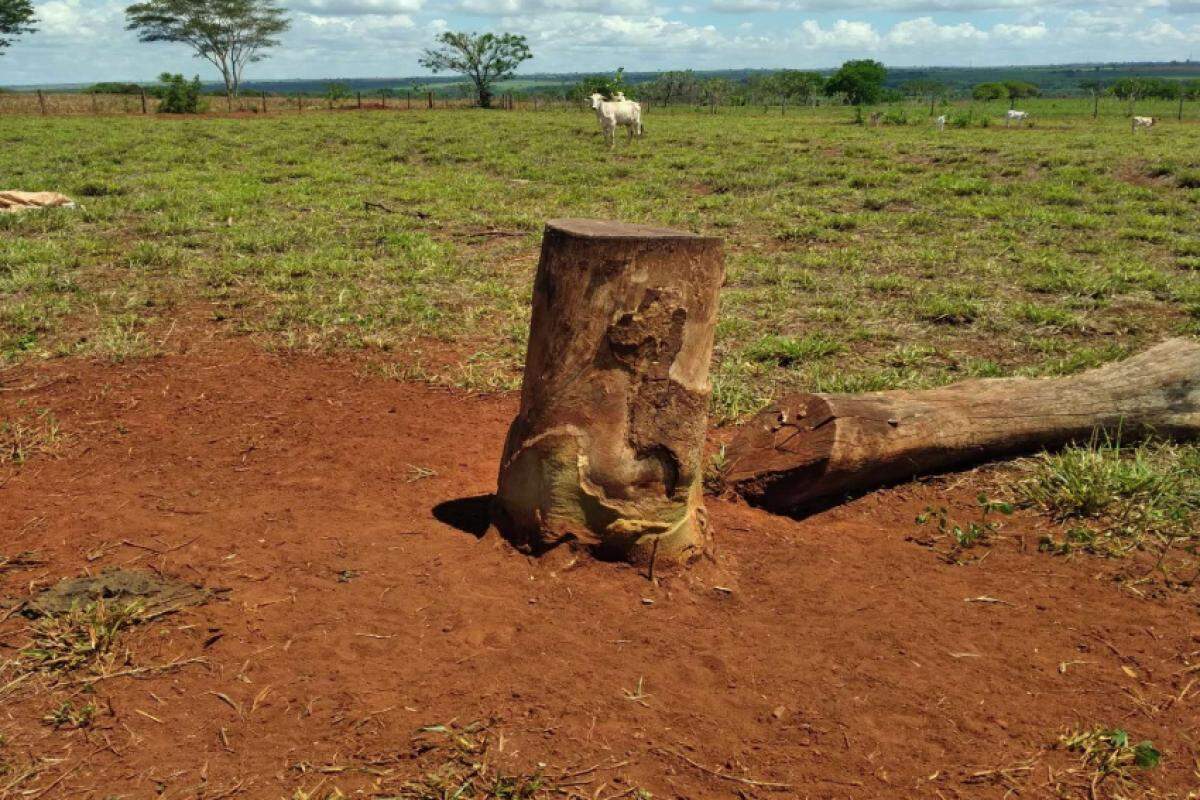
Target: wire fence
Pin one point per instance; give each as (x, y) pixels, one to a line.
(98, 104)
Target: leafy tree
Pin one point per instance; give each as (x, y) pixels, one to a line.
(1136, 88)
(607, 86)
(110, 87)
(860, 82)
(676, 85)
(797, 86)
(177, 95)
(717, 89)
(928, 89)
(335, 92)
(16, 18)
(1019, 89)
(229, 34)
(484, 58)
(989, 91)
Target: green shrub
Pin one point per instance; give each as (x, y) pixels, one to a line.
(177, 95)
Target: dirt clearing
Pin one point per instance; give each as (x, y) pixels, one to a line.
(340, 523)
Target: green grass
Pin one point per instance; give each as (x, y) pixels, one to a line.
(1112, 499)
(989, 251)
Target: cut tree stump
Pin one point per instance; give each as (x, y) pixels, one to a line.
(607, 446)
(812, 448)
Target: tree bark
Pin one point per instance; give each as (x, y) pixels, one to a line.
(812, 448)
(607, 446)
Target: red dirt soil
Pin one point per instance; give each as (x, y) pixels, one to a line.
(833, 654)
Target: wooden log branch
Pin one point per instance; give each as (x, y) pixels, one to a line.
(812, 448)
(607, 446)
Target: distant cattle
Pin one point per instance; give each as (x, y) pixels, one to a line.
(1015, 116)
(940, 122)
(617, 112)
(1142, 122)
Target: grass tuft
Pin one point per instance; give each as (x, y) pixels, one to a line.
(84, 637)
(1116, 498)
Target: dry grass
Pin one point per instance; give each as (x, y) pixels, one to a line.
(467, 762)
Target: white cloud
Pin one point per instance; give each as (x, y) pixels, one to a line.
(1020, 33)
(843, 35)
(506, 8)
(353, 8)
(924, 31)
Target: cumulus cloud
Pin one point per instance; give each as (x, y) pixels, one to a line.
(924, 30)
(354, 8)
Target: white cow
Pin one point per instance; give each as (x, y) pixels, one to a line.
(1142, 122)
(618, 111)
(940, 122)
(1014, 115)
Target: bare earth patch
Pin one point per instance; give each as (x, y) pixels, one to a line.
(366, 606)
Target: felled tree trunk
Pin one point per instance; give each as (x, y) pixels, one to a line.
(606, 449)
(811, 448)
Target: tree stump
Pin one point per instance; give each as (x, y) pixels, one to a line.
(607, 447)
(811, 448)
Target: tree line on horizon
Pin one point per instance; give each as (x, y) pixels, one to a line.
(231, 34)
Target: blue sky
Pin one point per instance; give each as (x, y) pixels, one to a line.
(85, 40)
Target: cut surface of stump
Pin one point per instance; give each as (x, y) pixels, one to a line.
(813, 448)
(607, 446)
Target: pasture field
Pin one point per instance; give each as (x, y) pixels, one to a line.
(273, 357)
(859, 257)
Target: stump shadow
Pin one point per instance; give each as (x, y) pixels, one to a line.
(471, 515)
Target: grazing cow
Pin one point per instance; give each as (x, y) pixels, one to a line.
(876, 119)
(1014, 115)
(940, 122)
(617, 112)
(1142, 122)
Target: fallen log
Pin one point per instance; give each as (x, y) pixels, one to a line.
(812, 448)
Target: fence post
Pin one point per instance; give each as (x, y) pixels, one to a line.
(1180, 115)
(264, 102)
(360, 101)
(300, 102)
(144, 109)
(42, 101)
(409, 98)
(429, 98)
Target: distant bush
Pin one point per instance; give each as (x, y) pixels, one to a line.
(109, 87)
(178, 95)
(961, 119)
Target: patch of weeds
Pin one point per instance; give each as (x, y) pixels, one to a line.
(66, 715)
(120, 339)
(1116, 498)
(787, 350)
(961, 538)
(1108, 756)
(944, 309)
(84, 637)
(20, 440)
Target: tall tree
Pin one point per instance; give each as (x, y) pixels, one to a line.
(229, 34)
(860, 82)
(926, 88)
(484, 58)
(16, 18)
(800, 87)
